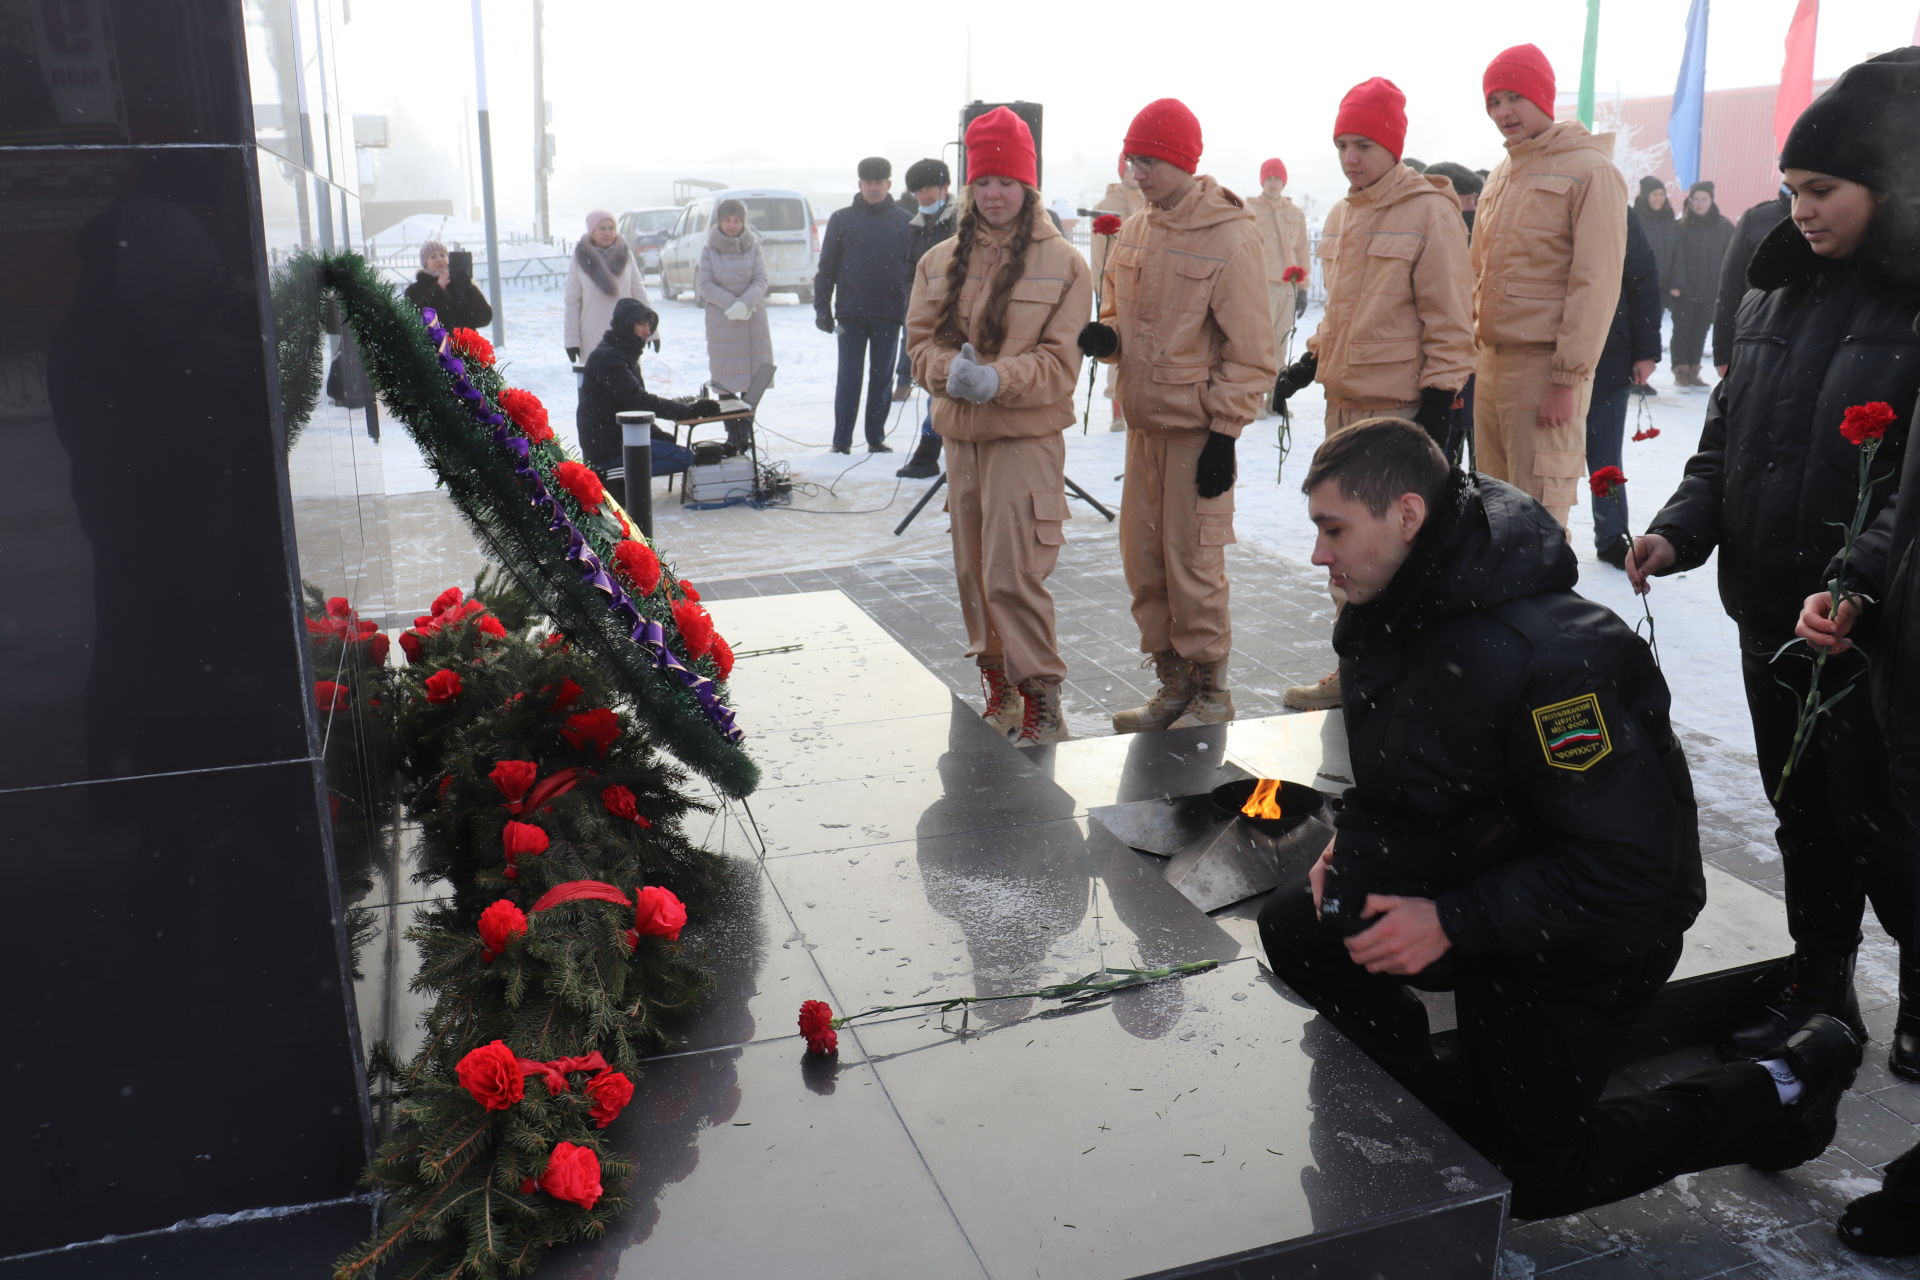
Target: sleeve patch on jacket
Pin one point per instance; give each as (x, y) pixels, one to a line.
(1573, 734)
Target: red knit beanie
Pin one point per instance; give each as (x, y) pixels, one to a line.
(1273, 169)
(1376, 110)
(1166, 130)
(1524, 70)
(999, 145)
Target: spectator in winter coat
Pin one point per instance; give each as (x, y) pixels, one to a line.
(1283, 234)
(1655, 213)
(1547, 248)
(996, 311)
(929, 183)
(1626, 362)
(863, 280)
(1183, 311)
(1693, 280)
(1755, 225)
(1466, 186)
(1123, 198)
(1827, 326)
(612, 384)
(452, 295)
(732, 283)
(1397, 336)
(602, 272)
(1521, 814)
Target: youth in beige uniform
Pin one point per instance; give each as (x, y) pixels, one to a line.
(1283, 234)
(1123, 198)
(1000, 362)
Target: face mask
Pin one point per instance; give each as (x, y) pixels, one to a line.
(933, 210)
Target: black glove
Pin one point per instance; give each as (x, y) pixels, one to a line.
(1436, 414)
(655, 344)
(702, 408)
(573, 355)
(822, 322)
(1299, 301)
(1213, 475)
(1099, 340)
(1295, 376)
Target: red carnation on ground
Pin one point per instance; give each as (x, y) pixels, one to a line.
(639, 565)
(582, 482)
(722, 655)
(696, 627)
(500, 924)
(492, 1075)
(1864, 422)
(596, 729)
(816, 1024)
(573, 1175)
(622, 803)
(1606, 482)
(443, 686)
(524, 410)
(659, 913)
(513, 778)
(1293, 275)
(611, 1091)
(471, 344)
(1107, 224)
(521, 839)
(329, 696)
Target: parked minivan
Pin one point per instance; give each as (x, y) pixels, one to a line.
(645, 230)
(789, 240)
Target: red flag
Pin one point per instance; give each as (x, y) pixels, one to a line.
(1796, 73)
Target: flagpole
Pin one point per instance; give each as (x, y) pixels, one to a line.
(1586, 63)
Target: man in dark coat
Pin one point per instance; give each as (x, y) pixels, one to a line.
(1626, 362)
(1521, 809)
(1755, 225)
(935, 215)
(612, 384)
(863, 280)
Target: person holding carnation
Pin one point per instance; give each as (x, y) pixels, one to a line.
(452, 294)
(1283, 234)
(1123, 200)
(1825, 332)
(991, 332)
(613, 385)
(602, 273)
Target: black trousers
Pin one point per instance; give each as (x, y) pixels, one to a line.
(1691, 320)
(1537, 1041)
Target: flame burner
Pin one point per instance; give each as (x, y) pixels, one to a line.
(1219, 854)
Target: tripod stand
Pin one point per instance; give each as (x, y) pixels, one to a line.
(934, 488)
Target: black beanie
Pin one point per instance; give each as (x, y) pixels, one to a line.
(874, 168)
(1864, 127)
(629, 312)
(928, 173)
(1702, 185)
(1651, 184)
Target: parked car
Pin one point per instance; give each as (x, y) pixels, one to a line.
(788, 238)
(645, 230)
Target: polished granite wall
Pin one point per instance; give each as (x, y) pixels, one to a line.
(181, 1038)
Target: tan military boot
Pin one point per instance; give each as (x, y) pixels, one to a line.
(1044, 722)
(1322, 695)
(1005, 711)
(1166, 706)
(1212, 703)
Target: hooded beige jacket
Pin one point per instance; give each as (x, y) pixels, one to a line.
(1283, 233)
(1399, 294)
(1038, 362)
(1549, 239)
(1186, 288)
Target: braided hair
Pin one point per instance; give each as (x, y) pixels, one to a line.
(992, 321)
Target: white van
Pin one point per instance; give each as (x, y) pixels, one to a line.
(789, 240)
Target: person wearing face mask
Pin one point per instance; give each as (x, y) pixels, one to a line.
(1122, 199)
(1549, 241)
(1826, 325)
(992, 330)
(1692, 281)
(455, 299)
(934, 217)
(732, 283)
(602, 272)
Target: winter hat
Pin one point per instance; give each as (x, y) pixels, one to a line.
(1465, 181)
(598, 216)
(1273, 169)
(1863, 127)
(928, 173)
(428, 249)
(1166, 130)
(1376, 110)
(1524, 70)
(999, 145)
(730, 208)
(1702, 185)
(1651, 184)
(629, 312)
(875, 168)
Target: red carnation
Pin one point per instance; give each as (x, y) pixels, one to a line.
(1294, 275)
(1606, 482)
(514, 777)
(472, 345)
(686, 589)
(378, 646)
(658, 913)
(1107, 224)
(492, 1075)
(568, 693)
(444, 601)
(329, 696)
(596, 729)
(443, 686)
(1864, 422)
(518, 839)
(500, 924)
(526, 412)
(816, 1024)
(622, 803)
(696, 628)
(573, 1175)
(611, 1091)
(722, 656)
(641, 567)
(491, 626)
(412, 645)
(582, 482)
(338, 607)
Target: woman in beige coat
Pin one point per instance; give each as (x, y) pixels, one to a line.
(991, 332)
(603, 271)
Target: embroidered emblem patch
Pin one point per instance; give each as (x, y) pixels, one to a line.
(1573, 734)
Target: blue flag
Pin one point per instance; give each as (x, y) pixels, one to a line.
(1689, 97)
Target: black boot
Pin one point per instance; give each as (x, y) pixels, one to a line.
(925, 462)
(1820, 984)
(1886, 1223)
(1825, 1055)
(1903, 1058)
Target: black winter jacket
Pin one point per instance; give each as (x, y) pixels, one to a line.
(923, 232)
(1772, 476)
(1635, 334)
(1510, 745)
(864, 273)
(1662, 228)
(460, 305)
(1698, 250)
(612, 384)
(1755, 225)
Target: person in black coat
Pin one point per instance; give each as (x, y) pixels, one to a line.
(612, 384)
(1755, 225)
(454, 297)
(935, 215)
(1655, 213)
(1826, 326)
(1626, 362)
(1693, 280)
(863, 281)
(1521, 809)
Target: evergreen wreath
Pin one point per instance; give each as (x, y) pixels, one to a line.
(298, 348)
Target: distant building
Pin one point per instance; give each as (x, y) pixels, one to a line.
(1737, 150)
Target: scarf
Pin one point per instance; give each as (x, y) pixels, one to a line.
(602, 266)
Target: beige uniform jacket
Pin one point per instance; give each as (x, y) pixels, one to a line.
(1549, 240)
(1120, 199)
(1038, 362)
(1399, 294)
(1283, 233)
(1186, 288)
